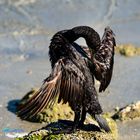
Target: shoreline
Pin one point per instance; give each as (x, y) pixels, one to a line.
(19, 81)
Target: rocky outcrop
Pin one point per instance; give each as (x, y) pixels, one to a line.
(53, 117)
(128, 50)
(129, 112)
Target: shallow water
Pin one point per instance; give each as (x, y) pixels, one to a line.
(25, 30)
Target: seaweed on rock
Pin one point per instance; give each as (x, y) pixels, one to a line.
(53, 116)
(128, 50)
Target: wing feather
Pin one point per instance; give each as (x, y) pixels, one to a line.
(63, 83)
(104, 59)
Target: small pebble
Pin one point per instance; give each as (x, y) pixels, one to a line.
(117, 108)
(29, 72)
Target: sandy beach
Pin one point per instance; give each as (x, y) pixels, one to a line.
(25, 32)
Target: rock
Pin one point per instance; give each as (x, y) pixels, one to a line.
(128, 50)
(53, 117)
(93, 134)
(117, 109)
(129, 112)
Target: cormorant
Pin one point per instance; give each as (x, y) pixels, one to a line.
(72, 76)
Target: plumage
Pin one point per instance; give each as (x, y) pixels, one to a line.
(104, 59)
(73, 72)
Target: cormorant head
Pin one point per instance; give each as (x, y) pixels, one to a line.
(93, 41)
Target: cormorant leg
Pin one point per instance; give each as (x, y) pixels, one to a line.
(76, 120)
(77, 111)
(83, 117)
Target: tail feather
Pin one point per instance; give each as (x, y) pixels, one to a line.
(102, 123)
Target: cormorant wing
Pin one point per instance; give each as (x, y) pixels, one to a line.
(65, 82)
(103, 59)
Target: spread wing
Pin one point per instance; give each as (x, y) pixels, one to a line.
(104, 59)
(65, 83)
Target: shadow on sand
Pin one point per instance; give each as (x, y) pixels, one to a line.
(12, 105)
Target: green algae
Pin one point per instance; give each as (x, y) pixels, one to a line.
(112, 124)
(59, 111)
(128, 50)
(94, 135)
(63, 111)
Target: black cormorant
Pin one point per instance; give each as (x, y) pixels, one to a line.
(72, 76)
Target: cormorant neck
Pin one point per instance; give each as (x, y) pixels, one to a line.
(90, 35)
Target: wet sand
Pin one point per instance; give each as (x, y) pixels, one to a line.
(25, 31)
